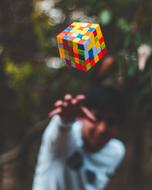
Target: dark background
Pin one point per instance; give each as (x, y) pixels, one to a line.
(32, 78)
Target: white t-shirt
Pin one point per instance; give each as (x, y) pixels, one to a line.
(64, 165)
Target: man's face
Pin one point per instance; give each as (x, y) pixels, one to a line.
(96, 134)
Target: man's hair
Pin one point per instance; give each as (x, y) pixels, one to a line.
(106, 99)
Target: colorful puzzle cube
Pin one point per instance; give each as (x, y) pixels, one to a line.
(81, 45)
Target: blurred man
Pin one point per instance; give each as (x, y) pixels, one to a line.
(79, 148)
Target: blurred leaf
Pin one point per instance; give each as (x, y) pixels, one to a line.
(18, 73)
(123, 25)
(105, 17)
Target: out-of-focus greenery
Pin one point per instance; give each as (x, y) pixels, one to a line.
(27, 41)
(28, 82)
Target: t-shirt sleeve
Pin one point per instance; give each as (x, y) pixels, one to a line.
(56, 144)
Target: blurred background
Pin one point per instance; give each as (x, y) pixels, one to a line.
(32, 77)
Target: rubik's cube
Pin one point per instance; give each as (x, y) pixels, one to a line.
(81, 45)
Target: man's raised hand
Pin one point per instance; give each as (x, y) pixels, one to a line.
(71, 108)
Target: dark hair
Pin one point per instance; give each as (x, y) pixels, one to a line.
(106, 99)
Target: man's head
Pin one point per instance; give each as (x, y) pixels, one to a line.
(108, 106)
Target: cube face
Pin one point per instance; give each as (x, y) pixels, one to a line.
(81, 45)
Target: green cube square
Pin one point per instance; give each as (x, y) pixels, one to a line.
(72, 59)
(96, 39)
(70, 43)
(88, 66)
(82, 62)
(103, 45)
(81, 52)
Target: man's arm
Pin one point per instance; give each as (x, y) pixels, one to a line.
(54, 147)
(57, 141)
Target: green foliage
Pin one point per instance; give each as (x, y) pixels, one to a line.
(105, 17)
(27, 40)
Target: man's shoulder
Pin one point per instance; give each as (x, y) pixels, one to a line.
(115, 149)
